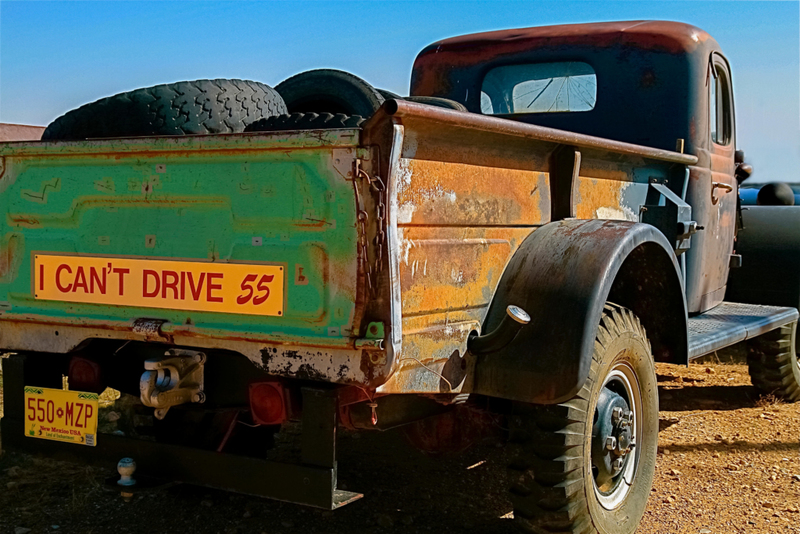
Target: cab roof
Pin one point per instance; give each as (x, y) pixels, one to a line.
(668, 36)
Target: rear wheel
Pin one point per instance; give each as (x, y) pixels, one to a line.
(587, 464)
(773, 363)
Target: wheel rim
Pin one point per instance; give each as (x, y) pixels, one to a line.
(620, 391)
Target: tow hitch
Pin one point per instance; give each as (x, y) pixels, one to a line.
(176, 379)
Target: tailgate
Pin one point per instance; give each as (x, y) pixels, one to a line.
(253, 236)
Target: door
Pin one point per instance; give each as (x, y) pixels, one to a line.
(712, 193)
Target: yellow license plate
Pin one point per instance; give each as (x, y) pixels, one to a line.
(251, 289)
(61, 415)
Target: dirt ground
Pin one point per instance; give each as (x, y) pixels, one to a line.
(728, 462)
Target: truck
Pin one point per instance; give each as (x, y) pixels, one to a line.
(550, 212)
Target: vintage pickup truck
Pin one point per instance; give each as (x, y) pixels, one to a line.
(549, 213)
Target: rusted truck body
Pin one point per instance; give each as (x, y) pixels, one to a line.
(450, 232)
(378, 275)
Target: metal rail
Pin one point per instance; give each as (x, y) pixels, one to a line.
(474, 121)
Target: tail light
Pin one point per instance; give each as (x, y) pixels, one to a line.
(85, 375)
(268, 403)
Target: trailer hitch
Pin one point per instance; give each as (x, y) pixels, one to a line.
(174, 380)
(501, 336)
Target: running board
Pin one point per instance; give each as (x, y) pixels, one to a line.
(730, 322)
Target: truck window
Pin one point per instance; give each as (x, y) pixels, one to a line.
(720, 105)
(539, 88)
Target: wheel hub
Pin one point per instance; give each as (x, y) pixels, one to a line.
(612, 436)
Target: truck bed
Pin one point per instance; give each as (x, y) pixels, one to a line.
(177, 222)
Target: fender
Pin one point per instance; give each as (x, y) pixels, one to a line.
(562, 275)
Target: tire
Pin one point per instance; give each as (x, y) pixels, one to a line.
(438, 102)
(306, 121)
(329, 91)
(181, 108)
(773, 363)
(554, 484)
(388, 95)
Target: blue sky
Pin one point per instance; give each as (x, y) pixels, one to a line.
(55, 56)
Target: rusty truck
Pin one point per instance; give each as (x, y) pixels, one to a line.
(550, 211)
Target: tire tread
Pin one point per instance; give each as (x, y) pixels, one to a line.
(306, 121)
(180, 108)
(773, 364)
(547, 479)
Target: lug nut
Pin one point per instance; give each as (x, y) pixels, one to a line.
(616, 415)
(627, 418)
(617, 465)
(624, 441)
(611, 443)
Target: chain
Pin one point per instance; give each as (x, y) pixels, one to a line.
(380, 237)
(376, 185)
(361, 218)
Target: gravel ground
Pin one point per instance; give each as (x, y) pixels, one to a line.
(728, 462)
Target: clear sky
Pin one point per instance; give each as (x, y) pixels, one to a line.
(55, 56)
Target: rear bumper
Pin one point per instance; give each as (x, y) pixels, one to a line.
(333, 360)
(311, 482)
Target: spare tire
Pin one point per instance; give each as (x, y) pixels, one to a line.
(181, 108)
(775, 194)
(306, 121)
(438, 102)
(388, 95)
(329, 91)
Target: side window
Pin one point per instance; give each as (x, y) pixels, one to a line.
(720, 109)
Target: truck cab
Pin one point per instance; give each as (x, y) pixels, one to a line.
(659, 84)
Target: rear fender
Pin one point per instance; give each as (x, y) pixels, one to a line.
(562, 275)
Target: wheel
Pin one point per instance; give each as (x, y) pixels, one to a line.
(438, 102)
(306, 121)
(181, 108)
(773, 363)
(587, 464)
(329, 91)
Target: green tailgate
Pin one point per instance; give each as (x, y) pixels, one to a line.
(280, 198)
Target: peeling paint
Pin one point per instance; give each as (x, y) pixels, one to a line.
(604, 199)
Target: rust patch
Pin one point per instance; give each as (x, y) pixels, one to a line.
(602, 199)
(434, 61)
(22, 220)
(9, 252)
(429, 345)
(453, 268)
(457, 194)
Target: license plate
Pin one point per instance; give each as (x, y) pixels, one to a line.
(61, 415)
(250, 289)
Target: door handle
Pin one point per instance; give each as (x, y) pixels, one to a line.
(726, 188)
